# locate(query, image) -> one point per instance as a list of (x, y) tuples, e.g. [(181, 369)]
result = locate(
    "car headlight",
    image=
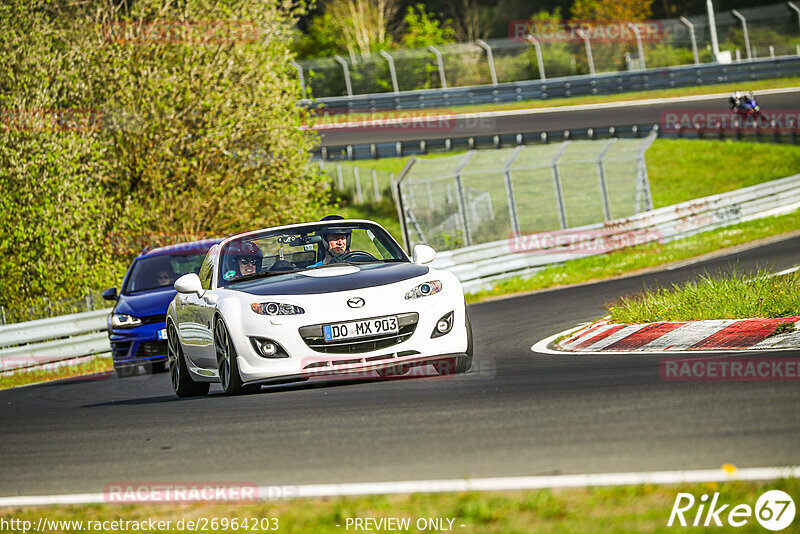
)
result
[(276, 308), (425, 289), (122, 320)]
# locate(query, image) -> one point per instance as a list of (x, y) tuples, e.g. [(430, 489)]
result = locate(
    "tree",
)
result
[(421, 29), (608, 10), (362, 24), (197, 132)]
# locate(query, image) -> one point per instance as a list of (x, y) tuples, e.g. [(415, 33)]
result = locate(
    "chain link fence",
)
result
[(360, 184), (764, 31), (489, 195)]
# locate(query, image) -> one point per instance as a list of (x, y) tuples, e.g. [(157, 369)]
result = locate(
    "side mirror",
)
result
[(189, 283), (422, 254), (110, 294)]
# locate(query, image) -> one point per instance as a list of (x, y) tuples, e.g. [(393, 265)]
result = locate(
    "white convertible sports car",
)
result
[(332, 297)]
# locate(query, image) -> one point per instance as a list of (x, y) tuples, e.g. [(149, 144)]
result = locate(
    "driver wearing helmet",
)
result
[(336, 242), (245, 259)]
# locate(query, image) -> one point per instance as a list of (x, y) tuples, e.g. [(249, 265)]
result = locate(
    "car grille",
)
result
[(149, 349), (121, 349), (315, 339), (152, 319)]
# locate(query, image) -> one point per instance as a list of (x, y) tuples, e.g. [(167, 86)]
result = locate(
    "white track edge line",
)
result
[(459, 485), (532, 111)]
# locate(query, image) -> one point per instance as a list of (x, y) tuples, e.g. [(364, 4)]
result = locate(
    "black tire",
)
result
[(229, 377), (155, 367), (125, 372), (459, 364), (182, 382)]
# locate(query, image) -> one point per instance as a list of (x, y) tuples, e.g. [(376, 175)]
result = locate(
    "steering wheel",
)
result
[(366, 256)]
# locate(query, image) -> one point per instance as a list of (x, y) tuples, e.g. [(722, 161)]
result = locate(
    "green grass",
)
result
[(734, 295), (101, 365), (755, 85), (631, 260), (641, 508), (679, 169), (683, 169)]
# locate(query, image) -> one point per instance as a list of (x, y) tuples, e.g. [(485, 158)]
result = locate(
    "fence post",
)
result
[(358, 185), (562, 211), (483, 44), (512, 200), (378, 195), (693, 38), (643, 179), (586, 42), (346, 70), (796, 10), (441, 64), (744, 30), (300, 75), (538, 46), (639, 46), (462, 203), (3, 314), (339, 176), (401, 212), (393, 73), (602, 174)]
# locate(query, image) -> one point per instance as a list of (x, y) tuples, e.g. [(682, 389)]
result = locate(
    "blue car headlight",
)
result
[(424, 289), (276, 308), (122, 320)]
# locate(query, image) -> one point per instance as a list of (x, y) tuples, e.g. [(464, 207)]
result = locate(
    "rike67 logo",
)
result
[(774, 511)]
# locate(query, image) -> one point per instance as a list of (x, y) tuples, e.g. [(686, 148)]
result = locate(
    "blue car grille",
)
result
[(150, 349), (121, 349)]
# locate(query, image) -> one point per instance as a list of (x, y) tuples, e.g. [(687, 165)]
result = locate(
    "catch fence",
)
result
[(745, 34), (483, 196)]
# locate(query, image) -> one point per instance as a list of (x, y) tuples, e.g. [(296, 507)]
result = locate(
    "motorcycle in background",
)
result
[(745, 105)]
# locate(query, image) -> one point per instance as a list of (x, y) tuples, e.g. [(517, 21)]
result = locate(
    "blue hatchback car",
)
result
[(136, 326)]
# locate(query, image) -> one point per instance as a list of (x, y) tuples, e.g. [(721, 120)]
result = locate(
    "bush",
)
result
[(191, 137)]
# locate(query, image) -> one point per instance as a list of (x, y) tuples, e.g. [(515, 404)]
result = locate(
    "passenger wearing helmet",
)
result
[(245, 259)]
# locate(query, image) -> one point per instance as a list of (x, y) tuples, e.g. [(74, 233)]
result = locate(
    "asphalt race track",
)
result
[(517, 413), (617, 114)]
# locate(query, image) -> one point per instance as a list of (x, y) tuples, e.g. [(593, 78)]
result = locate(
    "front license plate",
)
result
[(162, 334), (356, 329)]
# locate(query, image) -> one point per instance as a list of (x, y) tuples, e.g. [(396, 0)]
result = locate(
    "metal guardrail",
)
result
[(457, 144), (479, 266), (44, 341), (599, 84)]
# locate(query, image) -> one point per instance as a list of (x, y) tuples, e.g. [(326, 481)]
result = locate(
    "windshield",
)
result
[(295, 249), (156, 272)]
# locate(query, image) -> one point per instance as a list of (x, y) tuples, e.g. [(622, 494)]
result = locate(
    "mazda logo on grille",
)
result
[(355, 302)]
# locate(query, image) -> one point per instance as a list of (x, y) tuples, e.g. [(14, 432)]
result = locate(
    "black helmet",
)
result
[(243, 249)]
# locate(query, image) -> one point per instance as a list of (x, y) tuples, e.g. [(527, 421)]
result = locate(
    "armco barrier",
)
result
[(600, 84), (456, 144), (478, 267), (43, 341)]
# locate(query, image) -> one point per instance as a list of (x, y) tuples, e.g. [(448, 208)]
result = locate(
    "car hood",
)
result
[(332, 279), (147, 303)]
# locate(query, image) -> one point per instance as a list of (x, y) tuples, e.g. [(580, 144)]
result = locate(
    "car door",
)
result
[(194, 321)]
